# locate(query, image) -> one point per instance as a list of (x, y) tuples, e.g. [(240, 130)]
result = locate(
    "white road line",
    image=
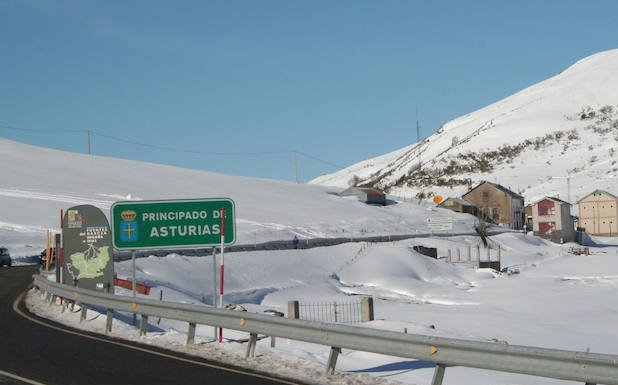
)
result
[(19, 378), (21, 296)]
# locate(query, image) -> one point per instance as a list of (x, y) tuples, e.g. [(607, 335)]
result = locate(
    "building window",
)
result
[(495, 213)]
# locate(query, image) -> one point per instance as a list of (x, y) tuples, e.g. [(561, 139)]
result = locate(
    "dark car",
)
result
[(5, 257)]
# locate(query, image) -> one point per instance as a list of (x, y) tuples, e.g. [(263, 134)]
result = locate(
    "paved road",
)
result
[(50, 356)]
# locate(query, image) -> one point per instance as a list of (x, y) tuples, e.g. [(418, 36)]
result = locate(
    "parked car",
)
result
[(5, 257)]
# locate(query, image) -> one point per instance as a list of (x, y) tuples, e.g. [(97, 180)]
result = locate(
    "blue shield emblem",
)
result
[(128, 231)]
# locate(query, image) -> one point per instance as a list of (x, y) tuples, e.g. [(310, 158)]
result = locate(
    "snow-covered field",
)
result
[(551, 298)]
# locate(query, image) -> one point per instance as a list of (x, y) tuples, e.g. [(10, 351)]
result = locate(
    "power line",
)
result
[(175, 149), (36, 129), (320, 160), (168, 148)]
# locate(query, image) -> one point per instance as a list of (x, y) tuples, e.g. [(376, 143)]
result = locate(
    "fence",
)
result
[(333, 312), (585, 367), (482, 262)]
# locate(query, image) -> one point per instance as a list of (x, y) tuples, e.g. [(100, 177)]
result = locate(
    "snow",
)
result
[(546, 296)]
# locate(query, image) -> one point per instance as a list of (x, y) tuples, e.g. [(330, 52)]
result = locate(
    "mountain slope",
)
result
[(566, 126)]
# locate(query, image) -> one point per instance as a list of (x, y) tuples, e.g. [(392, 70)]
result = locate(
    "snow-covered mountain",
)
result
[(556, 138)]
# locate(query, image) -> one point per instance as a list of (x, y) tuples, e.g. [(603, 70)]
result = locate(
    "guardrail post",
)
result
[(84, 311), (438, 375), (332, 360), (108, 322), (251, 345), (143, 325), (293, 309), (191, 334), (367, 309)]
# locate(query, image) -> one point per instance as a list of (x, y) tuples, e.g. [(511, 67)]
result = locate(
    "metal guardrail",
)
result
[(589, 368), (289, 244)]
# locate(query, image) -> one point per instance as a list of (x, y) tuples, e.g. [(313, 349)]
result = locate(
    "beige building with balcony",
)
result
[(598, 213)]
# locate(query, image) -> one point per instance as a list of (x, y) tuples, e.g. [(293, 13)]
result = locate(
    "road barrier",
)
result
[(120, 255), (589, 368)]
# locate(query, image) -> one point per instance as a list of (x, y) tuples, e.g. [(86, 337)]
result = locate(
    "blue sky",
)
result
[(235, 86)]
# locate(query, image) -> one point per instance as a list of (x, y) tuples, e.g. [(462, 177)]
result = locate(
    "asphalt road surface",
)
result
[(33, 353)]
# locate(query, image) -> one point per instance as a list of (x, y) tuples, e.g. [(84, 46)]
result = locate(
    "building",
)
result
[(528, 217), (598, 213), (365, 194), (551, 219), (458, 205), (497, 204)]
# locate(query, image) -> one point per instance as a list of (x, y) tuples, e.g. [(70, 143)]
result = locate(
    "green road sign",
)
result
[(187, 223)]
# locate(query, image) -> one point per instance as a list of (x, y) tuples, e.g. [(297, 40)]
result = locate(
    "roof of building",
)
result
[(597, 191), (358, 190), (461, 201), (498, 186), (554, 199)]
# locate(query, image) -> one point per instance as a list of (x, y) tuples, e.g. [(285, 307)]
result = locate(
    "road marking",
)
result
[(256, 375), (19, 378)]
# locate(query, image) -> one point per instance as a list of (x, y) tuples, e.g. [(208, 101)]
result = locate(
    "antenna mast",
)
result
[(418, 127), (418, 138)]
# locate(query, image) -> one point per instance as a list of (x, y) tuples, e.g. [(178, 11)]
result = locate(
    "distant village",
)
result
[(548, 218)]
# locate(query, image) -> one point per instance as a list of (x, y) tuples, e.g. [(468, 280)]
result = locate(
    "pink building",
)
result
[(551, 218)]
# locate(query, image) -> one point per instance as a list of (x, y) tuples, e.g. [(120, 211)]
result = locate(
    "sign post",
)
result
[(222, 267), (214, 289)]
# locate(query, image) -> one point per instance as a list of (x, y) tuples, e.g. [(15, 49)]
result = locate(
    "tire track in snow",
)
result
[(41, 195), (21, 228)]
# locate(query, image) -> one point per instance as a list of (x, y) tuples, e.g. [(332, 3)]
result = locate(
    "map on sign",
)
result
[(91, 263)]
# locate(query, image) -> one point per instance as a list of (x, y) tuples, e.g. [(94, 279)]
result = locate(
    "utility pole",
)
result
[(568, 180), (88, 142), (295, 165)]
